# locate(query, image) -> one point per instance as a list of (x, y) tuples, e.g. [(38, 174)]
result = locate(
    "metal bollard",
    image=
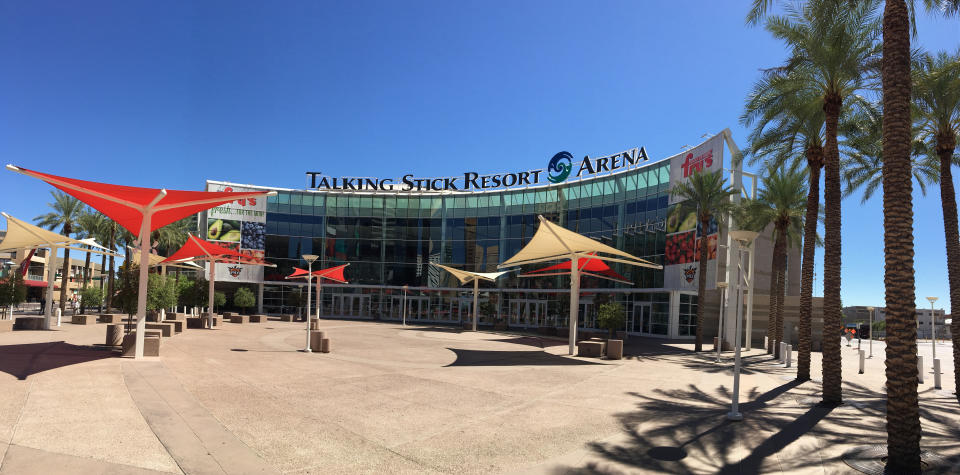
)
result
[(862, 361), (936, 373), (59, 315), (920, 368), (789, 355)]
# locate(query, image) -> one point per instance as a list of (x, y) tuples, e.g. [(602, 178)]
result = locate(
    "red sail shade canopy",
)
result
[(592, 266), (330, 273), (140, 211)]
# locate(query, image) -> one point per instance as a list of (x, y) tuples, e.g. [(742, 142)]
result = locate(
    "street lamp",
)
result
[(723, 301), (870, 310), (309, 258), (933, 323), (405, 305), (744, 241)]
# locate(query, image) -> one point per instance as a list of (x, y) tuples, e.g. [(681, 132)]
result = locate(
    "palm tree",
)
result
[(781, 202), (706, 194), (90, 225), (113, 227), (66, 211), (834, 49), (936, 99), (788, 124)]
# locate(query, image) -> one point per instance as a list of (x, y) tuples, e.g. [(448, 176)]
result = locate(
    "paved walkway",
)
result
[(390, 399)]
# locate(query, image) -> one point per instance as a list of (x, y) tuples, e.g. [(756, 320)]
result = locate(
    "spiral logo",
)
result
[(559, 167)]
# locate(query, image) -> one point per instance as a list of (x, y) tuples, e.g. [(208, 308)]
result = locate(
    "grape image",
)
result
[(253, 235)]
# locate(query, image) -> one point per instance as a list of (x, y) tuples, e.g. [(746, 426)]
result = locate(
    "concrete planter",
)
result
[(165, 329), (83, 319), (151, 344), (177, 325), (111, 317), (590, 348), (258, 318), (614, 349), (316, 341), (6, 326), (239, 319), (114, 334)]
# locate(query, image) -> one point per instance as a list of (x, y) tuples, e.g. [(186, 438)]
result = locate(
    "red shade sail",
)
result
[(331, 273), (592, 266), (127, 204), (196, 247)]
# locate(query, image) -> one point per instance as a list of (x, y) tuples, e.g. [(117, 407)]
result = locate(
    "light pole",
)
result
[(723, 302), (744, 240), (404, 305), (870, 310), (309, 258), (933, 324)]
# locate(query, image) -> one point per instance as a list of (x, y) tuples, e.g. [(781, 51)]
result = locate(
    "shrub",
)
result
[(244, 299), (92, 297), (612, 317)]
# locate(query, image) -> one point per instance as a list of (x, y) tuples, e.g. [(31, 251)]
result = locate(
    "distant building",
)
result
[(925, 318)]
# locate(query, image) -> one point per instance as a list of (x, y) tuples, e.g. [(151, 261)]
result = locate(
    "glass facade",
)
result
[(390, 238)]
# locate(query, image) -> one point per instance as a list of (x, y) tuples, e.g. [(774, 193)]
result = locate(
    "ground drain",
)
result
[(871, 459)]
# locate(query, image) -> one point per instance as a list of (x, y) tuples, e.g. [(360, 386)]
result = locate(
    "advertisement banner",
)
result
[(685, 234), (239, 225)]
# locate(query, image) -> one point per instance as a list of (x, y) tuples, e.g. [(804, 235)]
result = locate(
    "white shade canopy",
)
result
[(553, 242), (156, 260), (23, 235), (466, 276)]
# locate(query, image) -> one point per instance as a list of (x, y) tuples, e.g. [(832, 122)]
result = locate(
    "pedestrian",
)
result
[(43, 304)]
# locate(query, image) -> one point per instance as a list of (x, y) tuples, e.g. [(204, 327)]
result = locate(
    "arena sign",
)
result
[(558, 170)]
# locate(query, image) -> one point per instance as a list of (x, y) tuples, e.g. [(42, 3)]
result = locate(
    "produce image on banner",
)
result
[(252, 236), (225, 230)]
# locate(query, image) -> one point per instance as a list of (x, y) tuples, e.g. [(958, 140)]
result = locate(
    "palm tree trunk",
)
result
[(946, 143), (780, 251), (86, 279), (64, 279), (832, 308), (771, 313), (903, 412), (814, 162), (702, 280)]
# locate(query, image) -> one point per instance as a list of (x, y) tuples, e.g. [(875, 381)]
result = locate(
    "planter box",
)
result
[(239, 319), (28, 323), (258, 318), (314, 323), (614, 349), (6, 326), (228, 314), (316, 340), (166, 329), (111, 317), (325, 345), (83, 319), (286, 318), (176, 316), (590, 348), (114, 334), (196, 322), (177, 325), (151, 344)]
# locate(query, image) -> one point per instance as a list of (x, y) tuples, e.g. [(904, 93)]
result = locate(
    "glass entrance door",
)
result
[(639, 320)]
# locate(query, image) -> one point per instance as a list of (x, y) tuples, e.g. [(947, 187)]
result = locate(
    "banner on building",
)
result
[(239, 225), (685, 234)]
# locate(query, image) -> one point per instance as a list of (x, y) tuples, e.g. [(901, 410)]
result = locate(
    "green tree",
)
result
[(936, 99), (706, 194), (66, 211), (244, 299), (92, 297), (612, 317), (92, 225), (219, 300), (788, 127), (12, 290), (488, 309), (161, 292), (781, 203)]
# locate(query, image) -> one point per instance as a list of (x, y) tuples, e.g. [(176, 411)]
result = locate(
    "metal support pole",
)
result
[(870, 341), (574, 301), (723, 303), (749, 294), (309, 276), (142, 295), (862, 360), (920, 368), (51, 277), (936, 373), (404, 305), (476, 290), (734, 413), (933, 329), (789, 356)]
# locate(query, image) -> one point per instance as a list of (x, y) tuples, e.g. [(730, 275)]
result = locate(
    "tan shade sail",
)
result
[(23, 235), (553, 242), (465, 276), (156, 260)]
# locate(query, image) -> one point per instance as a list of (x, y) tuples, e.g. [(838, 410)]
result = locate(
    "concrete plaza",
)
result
[(393, 399)]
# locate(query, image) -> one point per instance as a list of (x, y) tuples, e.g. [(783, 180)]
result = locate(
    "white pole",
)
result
[(574, 301), (933, 325), (723, 302), (404, 305), (142, 295), (51, 277), (749, 279), (211, 293), (318, 297), (734, 413), (309, 276), (870, 342), (476, 290), (936, 374)]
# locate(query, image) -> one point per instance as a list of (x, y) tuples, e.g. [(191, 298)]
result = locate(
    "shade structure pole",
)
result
[(574, 301), (723, 303), (210, 292), (51, 277), (142, 291), (749, 315), (734, 413), (319, 280), (476, 290), (309, 276)]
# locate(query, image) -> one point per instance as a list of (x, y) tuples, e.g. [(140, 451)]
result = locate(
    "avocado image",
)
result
[(690, 222), (215, 229), (232, 235)]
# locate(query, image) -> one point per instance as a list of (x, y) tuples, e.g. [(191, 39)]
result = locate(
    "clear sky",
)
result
[(172, 93)]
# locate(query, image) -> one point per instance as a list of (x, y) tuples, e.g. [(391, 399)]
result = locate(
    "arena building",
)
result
[(389, 231)]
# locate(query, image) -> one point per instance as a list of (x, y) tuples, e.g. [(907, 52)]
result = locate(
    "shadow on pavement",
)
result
[(513, 358), (784, 429), (25, 360)]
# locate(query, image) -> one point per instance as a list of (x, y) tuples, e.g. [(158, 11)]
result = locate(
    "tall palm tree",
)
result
[(834, 48), (936, 99), (781, 202), (788, 124), (90, 225), (66, 211), (706, 194)]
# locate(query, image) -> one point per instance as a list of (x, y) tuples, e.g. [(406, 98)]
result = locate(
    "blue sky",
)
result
[(172, 93)]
